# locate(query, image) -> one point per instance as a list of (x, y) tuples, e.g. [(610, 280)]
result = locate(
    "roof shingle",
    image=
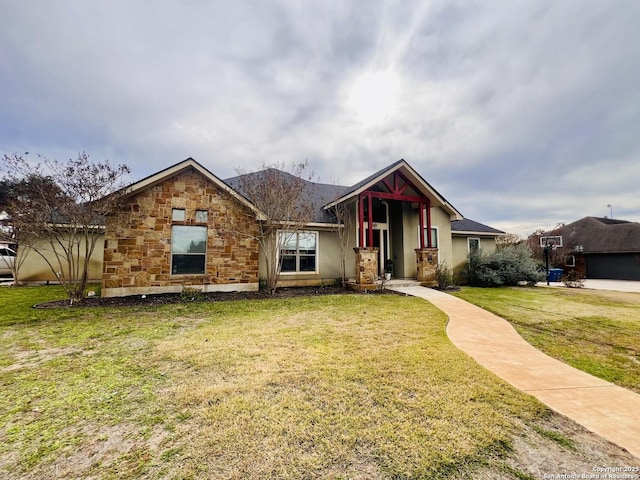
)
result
[(601, 235)]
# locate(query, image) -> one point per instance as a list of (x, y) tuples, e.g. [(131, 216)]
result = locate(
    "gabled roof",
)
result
[(437, 200), (600, 235), (466, 226), (180, 167)]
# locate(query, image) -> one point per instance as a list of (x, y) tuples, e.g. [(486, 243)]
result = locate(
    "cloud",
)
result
[(520, 113)]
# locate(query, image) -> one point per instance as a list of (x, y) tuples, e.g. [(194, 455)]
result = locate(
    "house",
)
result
[(603, 248), (172, 232)]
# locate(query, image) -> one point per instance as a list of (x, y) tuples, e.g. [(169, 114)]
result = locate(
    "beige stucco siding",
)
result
[(36, 269), (410, 238), (442, 220), (328, 263), (461, 249), (409, 241)]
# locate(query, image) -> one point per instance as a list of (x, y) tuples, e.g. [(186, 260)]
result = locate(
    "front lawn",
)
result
[(595, 331), (336, 386)]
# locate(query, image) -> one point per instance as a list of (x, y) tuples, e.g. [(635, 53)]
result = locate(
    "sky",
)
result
[(522, 114)]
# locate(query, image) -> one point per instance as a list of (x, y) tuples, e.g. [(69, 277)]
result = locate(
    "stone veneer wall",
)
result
[(137, 247), (366, 265), (427, 263)]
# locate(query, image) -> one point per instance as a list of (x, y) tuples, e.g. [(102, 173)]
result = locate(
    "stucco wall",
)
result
[(442, 220), (137, 249), (36, 269), (328, 262), (410, 239), (461, 249)]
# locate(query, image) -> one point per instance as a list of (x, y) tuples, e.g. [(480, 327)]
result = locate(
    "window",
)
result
[(178, 215), (570, 261), (434, 237), (298, 251), (379, 211), (7, 252), (473, 244), (202, 216), (188, 249)]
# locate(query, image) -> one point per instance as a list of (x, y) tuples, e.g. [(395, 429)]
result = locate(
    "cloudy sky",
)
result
[(523, 114)]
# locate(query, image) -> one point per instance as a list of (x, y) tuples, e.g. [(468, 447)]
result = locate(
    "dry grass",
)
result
[(326, 387), (335, 388)]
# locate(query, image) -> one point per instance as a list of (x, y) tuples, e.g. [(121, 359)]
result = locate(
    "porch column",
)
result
[(370, 220), (428, 210), (421, 220), (361, 221), (366, 266), (427, 262)]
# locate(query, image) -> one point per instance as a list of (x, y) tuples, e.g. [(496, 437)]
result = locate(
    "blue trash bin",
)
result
[(555, 274)]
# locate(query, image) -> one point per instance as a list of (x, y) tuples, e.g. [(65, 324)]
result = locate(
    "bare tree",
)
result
[(509, 239), (284, 197), (18, 202), (342, 214), (62, 211)]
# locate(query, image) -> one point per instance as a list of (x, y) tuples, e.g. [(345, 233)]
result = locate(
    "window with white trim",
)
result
[(570, 261), (473, 245), (434, 237), (299, 252)]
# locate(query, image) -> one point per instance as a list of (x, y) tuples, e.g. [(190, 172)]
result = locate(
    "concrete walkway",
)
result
[(608, 410)]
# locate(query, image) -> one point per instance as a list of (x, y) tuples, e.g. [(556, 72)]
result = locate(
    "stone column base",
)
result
[(427, 262), (366, 265)]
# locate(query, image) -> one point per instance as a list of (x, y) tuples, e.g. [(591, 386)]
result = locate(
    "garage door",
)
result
[(621, 266)]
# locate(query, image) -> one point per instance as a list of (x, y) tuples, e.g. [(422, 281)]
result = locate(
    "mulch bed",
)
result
[(173, 298)]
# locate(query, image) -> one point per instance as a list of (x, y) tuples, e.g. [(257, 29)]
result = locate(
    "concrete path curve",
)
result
[(608, 410)]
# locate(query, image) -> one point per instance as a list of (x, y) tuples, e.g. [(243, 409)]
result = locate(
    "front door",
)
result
[(380, 241), (380, 225)]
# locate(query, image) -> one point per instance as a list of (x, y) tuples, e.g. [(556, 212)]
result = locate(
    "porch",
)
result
[(394, 233)]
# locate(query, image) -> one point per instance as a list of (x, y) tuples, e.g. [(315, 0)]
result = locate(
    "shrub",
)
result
[(474, 260), (444, 276), (574, 279), (506, 266), (191, 294)]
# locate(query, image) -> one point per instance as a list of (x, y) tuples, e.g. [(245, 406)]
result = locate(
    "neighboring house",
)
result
[(35, 269), (598, 248), (173, 233)]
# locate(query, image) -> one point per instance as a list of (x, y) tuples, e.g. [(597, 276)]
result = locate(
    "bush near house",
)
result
[(507, 266)]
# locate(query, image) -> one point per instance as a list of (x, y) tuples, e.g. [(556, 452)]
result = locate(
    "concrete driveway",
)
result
[(596, 284)]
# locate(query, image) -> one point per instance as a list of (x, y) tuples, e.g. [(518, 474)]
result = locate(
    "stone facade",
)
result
[(137, 247), (427, 263), (366, 265)]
